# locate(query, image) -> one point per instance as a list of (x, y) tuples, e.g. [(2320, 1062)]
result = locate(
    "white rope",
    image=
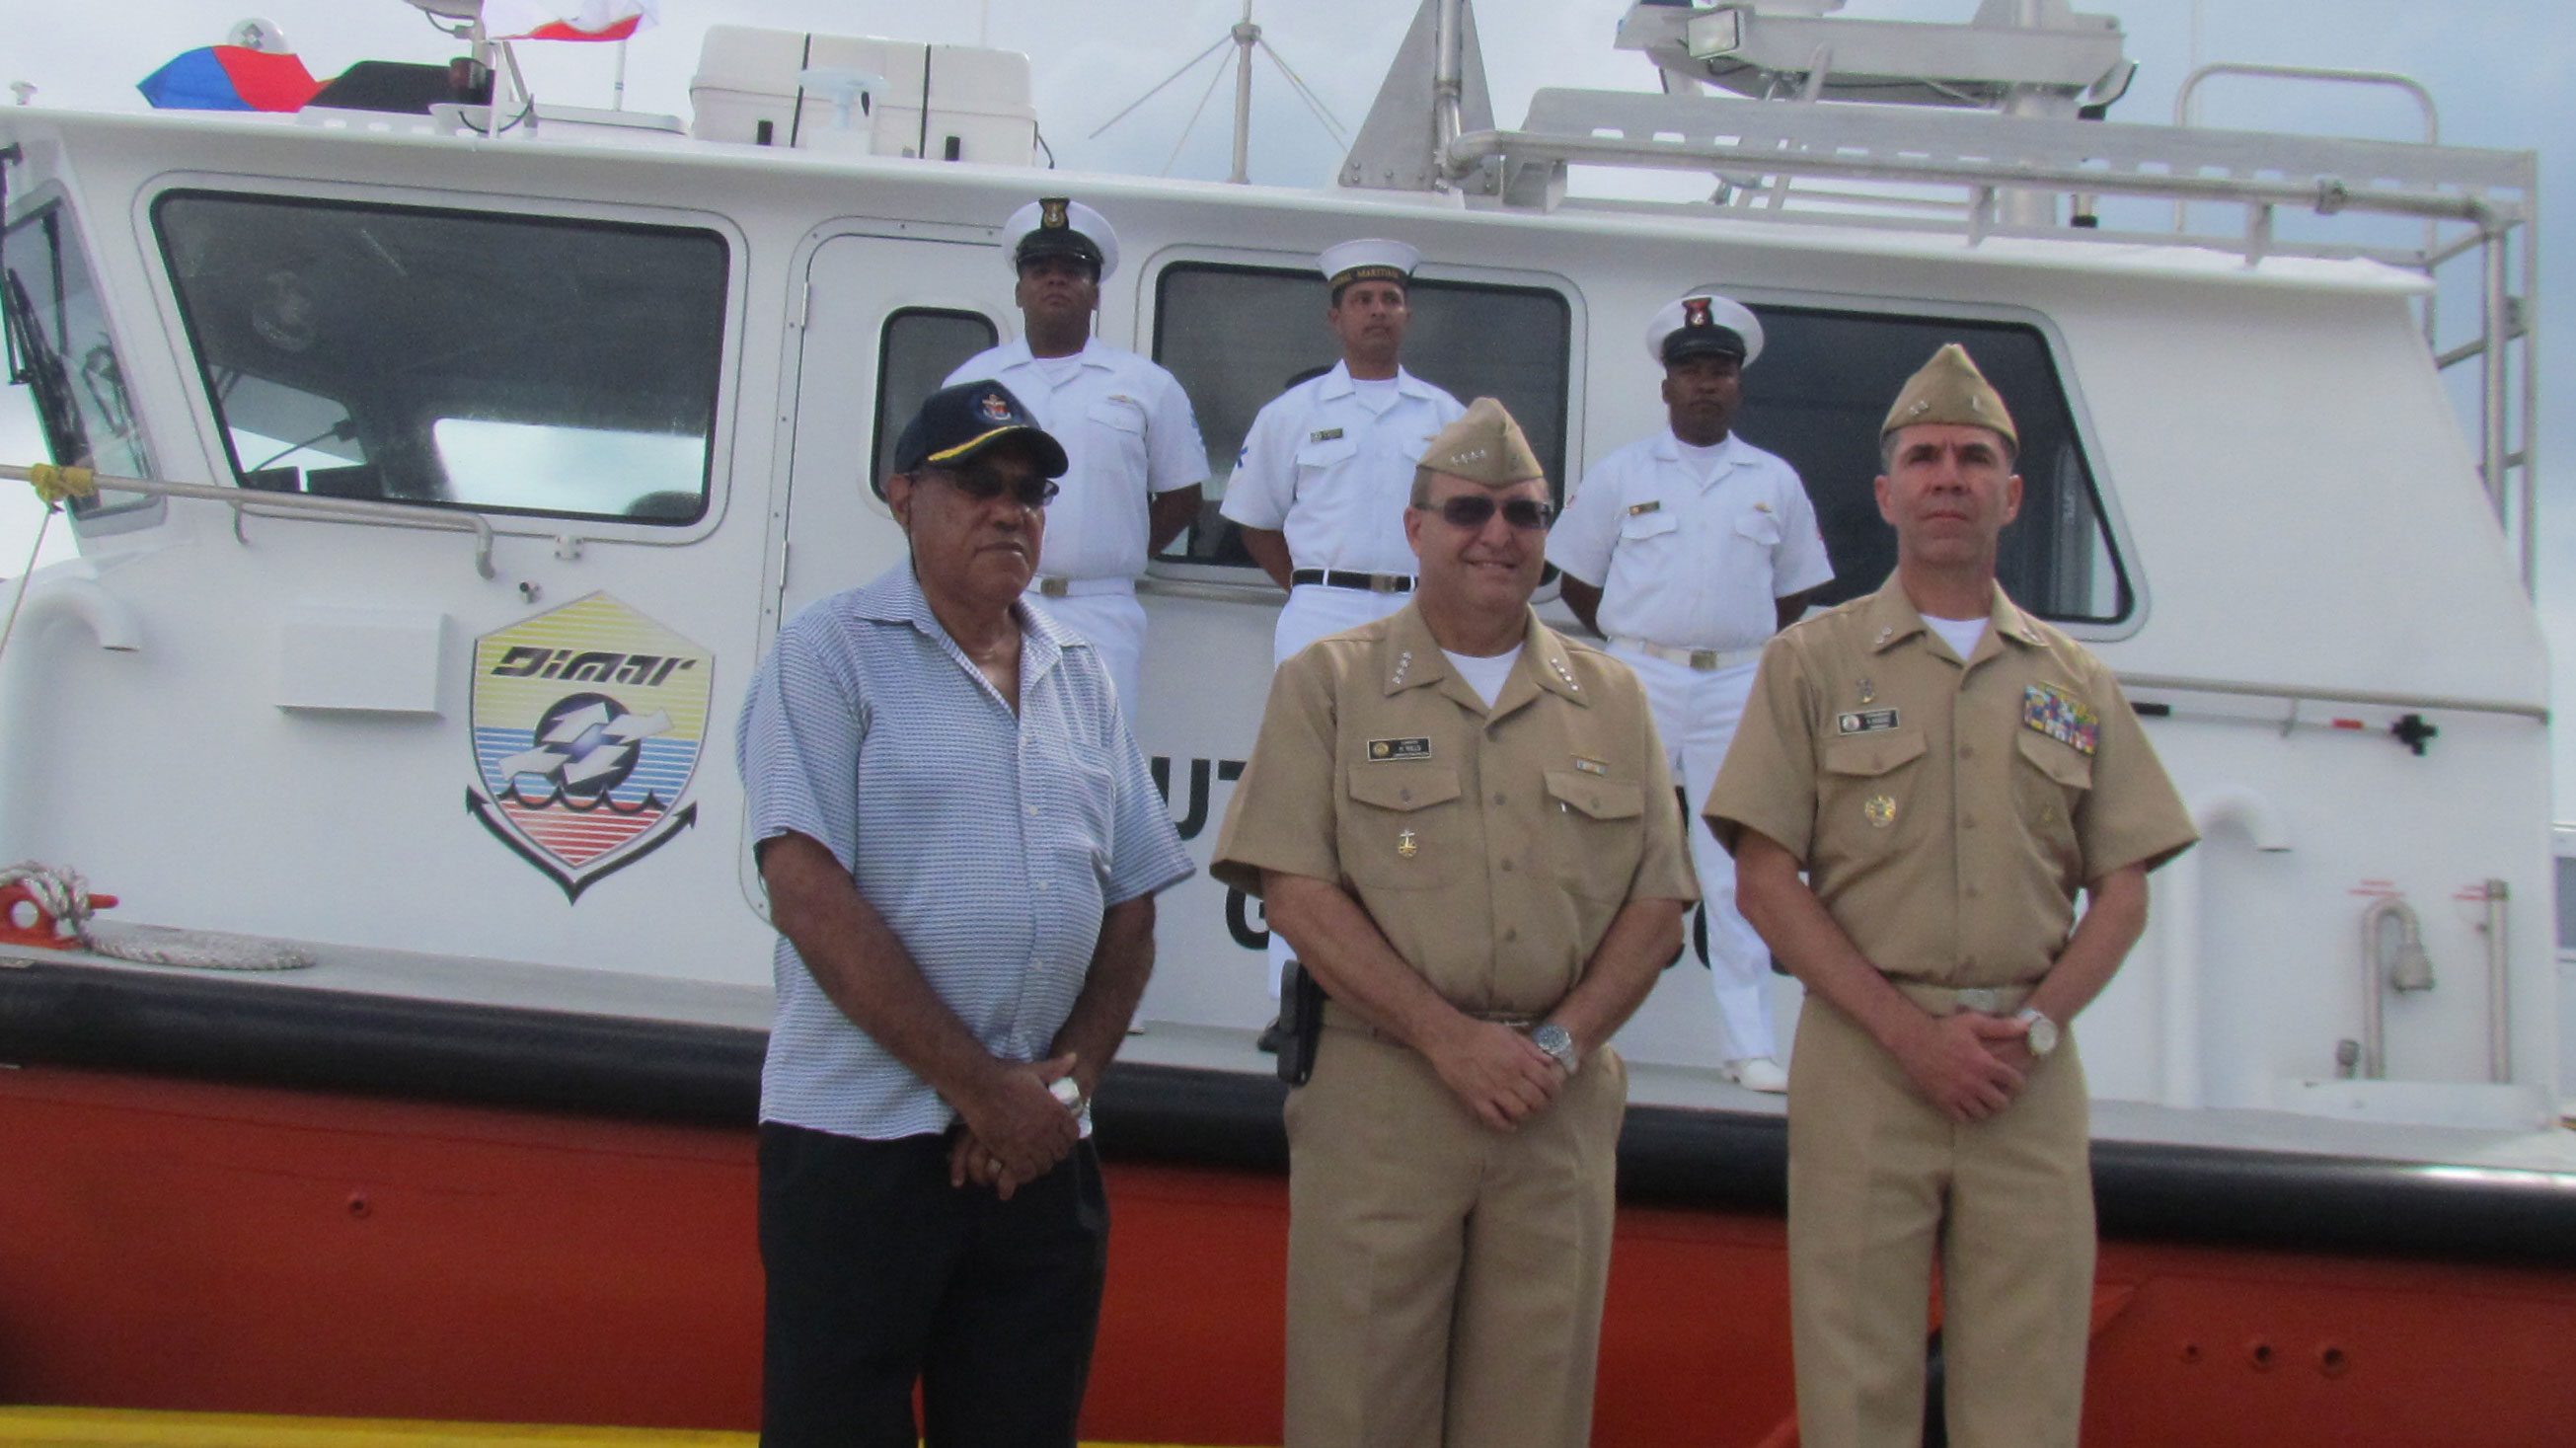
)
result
[(64, 895), (18, 595)]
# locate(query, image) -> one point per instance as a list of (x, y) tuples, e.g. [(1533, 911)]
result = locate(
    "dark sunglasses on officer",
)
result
[(984, 483), (1471, 510)]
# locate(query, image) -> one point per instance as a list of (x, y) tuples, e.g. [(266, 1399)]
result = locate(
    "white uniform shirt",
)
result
[(1128, 433), (1334, 474), (1685, 558)]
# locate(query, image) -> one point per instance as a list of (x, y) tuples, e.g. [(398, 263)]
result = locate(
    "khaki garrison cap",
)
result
[(1485, 447), (1950, 389)]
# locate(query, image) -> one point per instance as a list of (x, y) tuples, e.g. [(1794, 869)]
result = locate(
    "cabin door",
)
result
[(886, 318)]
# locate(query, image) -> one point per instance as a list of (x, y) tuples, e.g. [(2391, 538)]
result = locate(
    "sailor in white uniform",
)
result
[(1322, 483), (1688, 550), (1126, 426)]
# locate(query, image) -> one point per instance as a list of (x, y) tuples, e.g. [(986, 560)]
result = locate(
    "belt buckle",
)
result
[(1054, 587), (1704, 660), (1986, 999), (1381, 583)]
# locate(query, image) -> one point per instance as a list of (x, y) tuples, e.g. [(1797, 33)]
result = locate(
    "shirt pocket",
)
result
[(1598, 831), (1319, 456), (1864, 798), (1655, 523), (1760, 526), (1401, 829), (1118, 426), (2051, 781)]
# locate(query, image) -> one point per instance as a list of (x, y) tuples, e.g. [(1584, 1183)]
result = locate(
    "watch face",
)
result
[(2043, 1034), (1556, 1041)]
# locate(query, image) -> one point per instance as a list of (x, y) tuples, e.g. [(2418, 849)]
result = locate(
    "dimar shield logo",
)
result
[(588, 720)]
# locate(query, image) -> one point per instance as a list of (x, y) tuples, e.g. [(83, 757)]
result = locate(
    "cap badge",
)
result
[(1405, 846), (1051, 213), (1695, 312), (995, 406), (1881, 811)]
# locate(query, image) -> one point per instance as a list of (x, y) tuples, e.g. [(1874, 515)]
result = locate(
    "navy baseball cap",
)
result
[(956, 423)]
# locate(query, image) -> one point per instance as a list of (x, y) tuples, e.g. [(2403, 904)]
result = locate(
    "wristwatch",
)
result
[(2042, 1035), (1558, 1042)]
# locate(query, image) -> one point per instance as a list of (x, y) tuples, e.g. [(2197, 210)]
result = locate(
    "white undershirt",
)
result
[(1377, 394), (1702, 462), (1484, 675), (1961, 634), (1059, 370)]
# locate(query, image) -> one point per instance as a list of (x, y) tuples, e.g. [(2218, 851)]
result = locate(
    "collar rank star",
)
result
[(2062, 717), (1381, 751)]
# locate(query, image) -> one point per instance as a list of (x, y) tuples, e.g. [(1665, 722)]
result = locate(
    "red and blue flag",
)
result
[(230, 78)]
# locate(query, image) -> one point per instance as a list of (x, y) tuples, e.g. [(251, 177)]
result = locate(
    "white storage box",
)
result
[(746, 91)]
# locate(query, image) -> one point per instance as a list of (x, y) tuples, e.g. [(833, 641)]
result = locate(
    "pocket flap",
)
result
[(1602, 799), (1403, 786), (1325, 454), (2061, 762), (1117, 412), (1647, 525), (1759, 526), (1866, 754)]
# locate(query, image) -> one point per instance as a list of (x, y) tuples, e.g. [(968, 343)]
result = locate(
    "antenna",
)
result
[(1245, 37)]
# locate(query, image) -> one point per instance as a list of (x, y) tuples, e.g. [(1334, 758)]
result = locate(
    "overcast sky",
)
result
[(2498, 70)]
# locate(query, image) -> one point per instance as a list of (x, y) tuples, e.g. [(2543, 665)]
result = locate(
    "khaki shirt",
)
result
[(1491, 848), (1947, 814)]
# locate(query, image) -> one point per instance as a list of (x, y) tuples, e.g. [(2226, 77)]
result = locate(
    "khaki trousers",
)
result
[(1444, 1279), (1880, 1179)]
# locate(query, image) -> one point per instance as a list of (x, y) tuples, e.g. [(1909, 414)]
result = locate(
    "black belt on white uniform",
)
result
[(1364, 582)]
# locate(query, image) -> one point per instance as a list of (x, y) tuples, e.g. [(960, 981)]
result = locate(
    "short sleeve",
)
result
[(1178, 457), (1146, 856), (1281, 816), (1581, 542), (797, 746), (1664, 871), (1264, 481), (2131, 815), (1768, 783), (1801, 562)]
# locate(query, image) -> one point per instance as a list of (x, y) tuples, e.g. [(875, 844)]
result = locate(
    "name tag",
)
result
[(1867, 721), (1327, 435), (2062, 717), (1382, 750), (1639, 510)]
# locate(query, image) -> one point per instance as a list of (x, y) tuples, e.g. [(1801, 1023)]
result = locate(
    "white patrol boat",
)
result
[(441, 461)]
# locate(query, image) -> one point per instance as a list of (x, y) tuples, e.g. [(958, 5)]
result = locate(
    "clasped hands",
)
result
[(1013, 1127), (1498, 1072), (1969, 1064)]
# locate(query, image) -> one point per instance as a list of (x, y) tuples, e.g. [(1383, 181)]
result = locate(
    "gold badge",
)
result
[(1881, 810), (1405, 846), (1051, 213), (1868, 690)]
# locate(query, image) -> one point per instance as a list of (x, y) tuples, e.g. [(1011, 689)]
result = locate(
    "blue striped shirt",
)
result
[(990, 842)]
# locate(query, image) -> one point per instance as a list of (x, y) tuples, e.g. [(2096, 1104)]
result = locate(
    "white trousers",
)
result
[(1312, 611), (1115, 625), (1696, 712)]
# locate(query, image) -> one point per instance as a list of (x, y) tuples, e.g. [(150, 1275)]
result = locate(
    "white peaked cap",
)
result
[(1069, 217), (1369, 259), (1709, 315)]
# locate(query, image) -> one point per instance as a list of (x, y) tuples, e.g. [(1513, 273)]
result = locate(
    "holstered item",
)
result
[(1301, 1023)]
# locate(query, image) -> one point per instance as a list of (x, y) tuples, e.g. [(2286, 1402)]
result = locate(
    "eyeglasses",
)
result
[(986, 484), (1471, 510)]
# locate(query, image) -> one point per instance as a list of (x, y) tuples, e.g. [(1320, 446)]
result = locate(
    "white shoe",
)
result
[(1757, 1073)]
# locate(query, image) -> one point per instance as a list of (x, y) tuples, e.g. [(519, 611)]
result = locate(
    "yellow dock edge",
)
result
[(25, 1427)]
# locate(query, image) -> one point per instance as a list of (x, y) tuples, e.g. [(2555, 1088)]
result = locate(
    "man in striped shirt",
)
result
[(961, 846)]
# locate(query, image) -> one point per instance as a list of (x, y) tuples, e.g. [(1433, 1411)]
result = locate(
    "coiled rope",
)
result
[(64, 895)]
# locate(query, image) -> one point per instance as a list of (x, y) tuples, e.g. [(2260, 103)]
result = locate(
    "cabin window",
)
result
[(1818, 394), (59, 347), (509, 364), (1237, 336), (919, 348)]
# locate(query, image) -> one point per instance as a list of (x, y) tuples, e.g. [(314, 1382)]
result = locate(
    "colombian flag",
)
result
[(230, 78), (565, 19)]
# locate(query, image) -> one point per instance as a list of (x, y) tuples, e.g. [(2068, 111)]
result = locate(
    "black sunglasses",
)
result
[(985, 484), (1470, 510)]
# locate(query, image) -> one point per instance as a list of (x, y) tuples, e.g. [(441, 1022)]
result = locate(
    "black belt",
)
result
[(1364, 582)]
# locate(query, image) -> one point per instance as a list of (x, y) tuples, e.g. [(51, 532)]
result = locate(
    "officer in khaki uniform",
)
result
[(1948, 771), (1462, 822)]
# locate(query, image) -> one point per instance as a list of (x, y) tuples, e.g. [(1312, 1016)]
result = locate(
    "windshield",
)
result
[(58, 348)]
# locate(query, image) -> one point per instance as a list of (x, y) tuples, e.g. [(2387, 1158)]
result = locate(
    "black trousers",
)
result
[(880, 1274)]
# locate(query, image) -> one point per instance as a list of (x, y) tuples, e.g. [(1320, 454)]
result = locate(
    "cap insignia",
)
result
[(1695, 312), (995, 406), (1051, 213)]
